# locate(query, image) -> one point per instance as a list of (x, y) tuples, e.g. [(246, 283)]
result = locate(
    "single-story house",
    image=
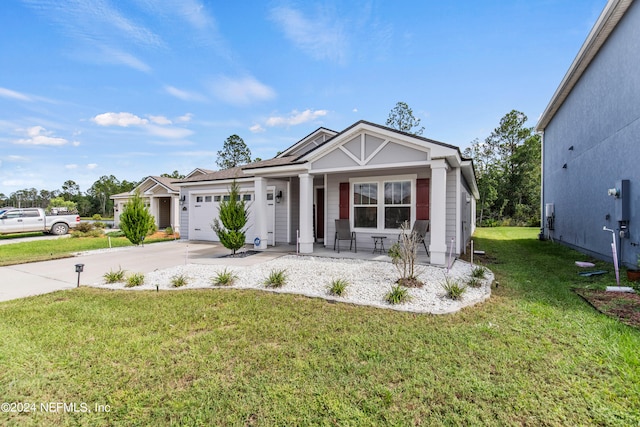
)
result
[(372, 175), (591, 137), (160, 195)]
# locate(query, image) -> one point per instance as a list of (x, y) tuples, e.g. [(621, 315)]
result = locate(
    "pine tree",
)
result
[(135, 220), (234, 216)]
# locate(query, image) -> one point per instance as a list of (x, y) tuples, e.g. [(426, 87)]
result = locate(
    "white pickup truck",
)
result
[(34, 219)]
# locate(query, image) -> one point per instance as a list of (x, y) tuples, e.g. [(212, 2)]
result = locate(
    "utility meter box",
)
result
[(622, 200)]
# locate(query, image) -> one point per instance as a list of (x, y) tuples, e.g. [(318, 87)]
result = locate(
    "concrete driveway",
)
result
[(23, 280)]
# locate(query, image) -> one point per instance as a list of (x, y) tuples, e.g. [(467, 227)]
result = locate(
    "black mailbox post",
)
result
[(79, 269)]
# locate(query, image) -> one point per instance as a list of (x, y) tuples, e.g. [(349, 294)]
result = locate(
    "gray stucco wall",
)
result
[(600, 119)]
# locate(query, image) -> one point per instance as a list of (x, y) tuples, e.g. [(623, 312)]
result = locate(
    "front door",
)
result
[(319, 214), (164, 212), (271, 218)]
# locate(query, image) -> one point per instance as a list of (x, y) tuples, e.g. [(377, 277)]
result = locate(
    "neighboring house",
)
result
[(375, 176), (160, 195), (591, 141)]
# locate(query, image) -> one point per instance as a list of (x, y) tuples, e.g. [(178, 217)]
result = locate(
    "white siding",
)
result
[(452, 198), (281, 212)]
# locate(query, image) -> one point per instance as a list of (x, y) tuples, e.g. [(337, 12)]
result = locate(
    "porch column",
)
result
[(306, 213), (260, 213), (438, 214)]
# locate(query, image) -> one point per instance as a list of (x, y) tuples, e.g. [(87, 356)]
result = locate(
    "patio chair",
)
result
[(420, 228), (343, 232)]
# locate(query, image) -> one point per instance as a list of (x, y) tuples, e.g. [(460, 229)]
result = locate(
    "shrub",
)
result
[(97, 217), (84, 227), (453, 289), (233, 217), (403, 256), (136, 221), (168, 231), (276, 279), (478, 272), (90, 233), (474, 282), (224, 278), (398, 295), (153, 229), (118, 233), (338, 287), (179, 280), (136, 279), (114, 276), (99, 224)]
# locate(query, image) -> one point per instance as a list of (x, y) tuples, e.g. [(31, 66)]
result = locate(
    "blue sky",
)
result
[(143, 87)]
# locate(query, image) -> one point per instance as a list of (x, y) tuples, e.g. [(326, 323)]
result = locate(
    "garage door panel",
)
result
[(203, 211)]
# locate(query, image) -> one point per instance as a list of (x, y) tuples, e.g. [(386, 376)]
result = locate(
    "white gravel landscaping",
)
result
[(369, 281)]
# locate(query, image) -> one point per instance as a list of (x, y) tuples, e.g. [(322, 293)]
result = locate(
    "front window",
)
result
[(365, 205), (397, 203), (383, 203)]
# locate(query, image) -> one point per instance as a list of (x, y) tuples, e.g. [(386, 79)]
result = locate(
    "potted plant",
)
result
[(634, 275)]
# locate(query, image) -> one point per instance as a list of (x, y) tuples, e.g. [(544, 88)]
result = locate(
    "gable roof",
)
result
[(167, 183), (604, 26), (385, 128), (255, 168), (320, 133)]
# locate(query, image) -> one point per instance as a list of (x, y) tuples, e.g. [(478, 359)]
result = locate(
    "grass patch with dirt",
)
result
[(533, 354)]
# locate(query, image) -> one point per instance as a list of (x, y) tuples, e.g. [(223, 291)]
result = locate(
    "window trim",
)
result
[(380, 181)]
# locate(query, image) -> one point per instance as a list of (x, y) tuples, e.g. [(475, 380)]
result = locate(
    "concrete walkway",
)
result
[(23, 280)]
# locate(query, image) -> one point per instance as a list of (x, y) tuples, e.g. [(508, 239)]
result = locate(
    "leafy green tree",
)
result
[(135, 220), (401, 118), (60, 202), (508, 172), (101, 190), (70, 189), (234, 153), (175, 174), (233, 215)]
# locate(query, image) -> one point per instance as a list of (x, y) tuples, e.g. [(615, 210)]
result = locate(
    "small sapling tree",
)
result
[(135, 220), (404, 254), (233, 217)]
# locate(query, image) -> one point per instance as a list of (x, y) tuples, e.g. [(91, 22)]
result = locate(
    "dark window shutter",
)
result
[(422, 198), (344, 200)]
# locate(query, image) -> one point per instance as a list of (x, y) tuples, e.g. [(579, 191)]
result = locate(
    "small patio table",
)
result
[(378, 240)]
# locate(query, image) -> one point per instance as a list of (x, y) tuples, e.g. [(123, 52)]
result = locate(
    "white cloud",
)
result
[(171, 133), (111, 55), (119, 119), (159, 120), (242, 91), (37, 135), (12, 94), (183, 94), (185, 118), (92, 166), (257, 128), (321, 37), (355, 110), (71, 166), (295, 118), (14, 158)]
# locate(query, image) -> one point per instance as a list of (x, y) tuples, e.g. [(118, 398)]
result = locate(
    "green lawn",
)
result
[(43, 250), (533, 354)]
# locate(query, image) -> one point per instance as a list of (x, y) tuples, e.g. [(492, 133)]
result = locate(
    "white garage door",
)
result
[(203, 211), (204, 208)]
